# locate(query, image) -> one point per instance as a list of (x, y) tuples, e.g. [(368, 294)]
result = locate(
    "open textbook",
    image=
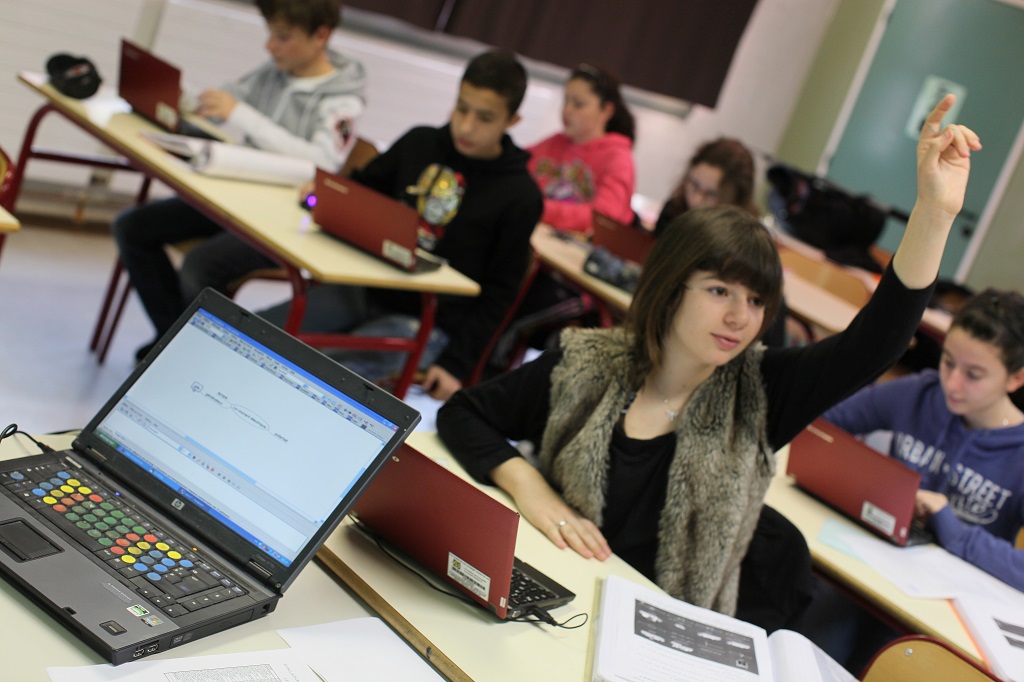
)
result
[(226, 160), (998, 629), (647, 636)]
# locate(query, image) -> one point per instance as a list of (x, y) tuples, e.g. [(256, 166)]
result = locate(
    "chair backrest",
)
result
[(362, 153), (922, 659), (524, 287), (830, 276)]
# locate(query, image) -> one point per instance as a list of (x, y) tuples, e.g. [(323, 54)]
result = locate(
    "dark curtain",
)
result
[(422, 13), (681, 48)]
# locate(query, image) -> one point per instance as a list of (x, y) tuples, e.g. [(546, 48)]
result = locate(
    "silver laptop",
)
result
[(195, 496)]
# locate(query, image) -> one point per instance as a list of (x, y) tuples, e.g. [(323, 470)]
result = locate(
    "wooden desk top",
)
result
[(8, 223), (268, 214), (805, 300), (466, 642), (567, 257), (34, 641), (934, 617)]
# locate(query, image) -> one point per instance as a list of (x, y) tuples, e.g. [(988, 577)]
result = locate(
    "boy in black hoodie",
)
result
[(471, 186)]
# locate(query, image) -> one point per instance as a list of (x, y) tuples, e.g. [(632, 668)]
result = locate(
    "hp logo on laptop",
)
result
[(177, 504)]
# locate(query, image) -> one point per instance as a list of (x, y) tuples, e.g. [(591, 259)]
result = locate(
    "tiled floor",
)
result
[(51, 285)]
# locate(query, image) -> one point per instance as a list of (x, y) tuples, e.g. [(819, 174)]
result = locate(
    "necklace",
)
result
[(669, 412)]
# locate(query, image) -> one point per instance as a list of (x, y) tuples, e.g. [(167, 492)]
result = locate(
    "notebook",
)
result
[(194, 497), (152, 87), (869, 487), (371, 221), (458, 532), (625, 241)]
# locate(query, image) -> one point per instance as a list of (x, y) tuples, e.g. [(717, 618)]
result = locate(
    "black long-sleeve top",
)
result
[(488, 239)]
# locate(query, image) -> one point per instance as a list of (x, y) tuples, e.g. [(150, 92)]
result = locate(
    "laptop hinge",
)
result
[(259, 571)]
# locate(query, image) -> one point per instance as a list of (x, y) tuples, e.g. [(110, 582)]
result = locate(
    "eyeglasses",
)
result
[(691, 185)]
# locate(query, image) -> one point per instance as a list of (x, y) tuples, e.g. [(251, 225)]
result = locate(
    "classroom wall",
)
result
[(818, 106), (215, 40)]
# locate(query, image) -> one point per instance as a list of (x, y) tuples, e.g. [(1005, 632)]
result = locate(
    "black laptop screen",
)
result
[(245, 435)]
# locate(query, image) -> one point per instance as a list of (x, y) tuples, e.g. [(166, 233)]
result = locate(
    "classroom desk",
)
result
[(33, 640), (808, 302), (566, 257), (804, 299), (933, 617), (267, 216), (814, 305), (466, 642)]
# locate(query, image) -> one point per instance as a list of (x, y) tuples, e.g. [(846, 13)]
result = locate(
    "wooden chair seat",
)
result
[(922, 659)]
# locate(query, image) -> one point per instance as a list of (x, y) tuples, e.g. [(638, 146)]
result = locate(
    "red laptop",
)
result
[(458, 532), (869, 487), (371, 221), (152, 87), (625, 241)]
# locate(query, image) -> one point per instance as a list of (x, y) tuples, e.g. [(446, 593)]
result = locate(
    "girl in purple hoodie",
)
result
[(961, 431)]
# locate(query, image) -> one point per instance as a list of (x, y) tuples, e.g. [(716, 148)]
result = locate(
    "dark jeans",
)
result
[(143, 232)]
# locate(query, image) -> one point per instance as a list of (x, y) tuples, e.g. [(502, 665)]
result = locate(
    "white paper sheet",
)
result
[(277, 665), (253, 165), (998, 629), (924, 571), (363, 649)]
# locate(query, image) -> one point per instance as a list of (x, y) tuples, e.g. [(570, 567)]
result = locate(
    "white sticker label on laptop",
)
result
[(167, 115), (475, 581), (397, 253), (876, 517)]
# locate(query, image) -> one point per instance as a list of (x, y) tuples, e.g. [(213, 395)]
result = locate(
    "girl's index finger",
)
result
[(933, 122)]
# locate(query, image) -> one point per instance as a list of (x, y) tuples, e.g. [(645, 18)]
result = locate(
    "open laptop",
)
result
[(152, 87), (625, 241), (458, 532), (371, 221), (871, 488), (195, 496)]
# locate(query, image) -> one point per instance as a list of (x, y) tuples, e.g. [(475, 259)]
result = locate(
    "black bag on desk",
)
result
[(612, 269), (826, 216)]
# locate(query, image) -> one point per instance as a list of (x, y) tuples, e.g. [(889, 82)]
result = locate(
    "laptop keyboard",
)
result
[(162, 569), (524, 590)]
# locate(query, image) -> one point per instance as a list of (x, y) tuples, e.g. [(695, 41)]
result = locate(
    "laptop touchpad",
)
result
[(23, 542)]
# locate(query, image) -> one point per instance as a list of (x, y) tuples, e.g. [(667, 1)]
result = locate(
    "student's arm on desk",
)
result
[(476, 425), (326, 148), (976, 545)]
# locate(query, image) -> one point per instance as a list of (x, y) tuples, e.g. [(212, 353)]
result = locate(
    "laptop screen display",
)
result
[(245, 435)]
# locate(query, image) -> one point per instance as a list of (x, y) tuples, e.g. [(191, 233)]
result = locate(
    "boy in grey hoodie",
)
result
[(304, 102)]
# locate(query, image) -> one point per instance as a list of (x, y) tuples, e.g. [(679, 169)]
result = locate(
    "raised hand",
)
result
[(944, 160), (943, 164)]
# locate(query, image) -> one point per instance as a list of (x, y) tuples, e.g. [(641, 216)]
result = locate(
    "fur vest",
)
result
[(718, 476)]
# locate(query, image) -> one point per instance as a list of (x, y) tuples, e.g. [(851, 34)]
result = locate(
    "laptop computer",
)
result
[(194, 497), (152, 87), (870, 488), (371, 221), (625, 241), (458, 532)]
